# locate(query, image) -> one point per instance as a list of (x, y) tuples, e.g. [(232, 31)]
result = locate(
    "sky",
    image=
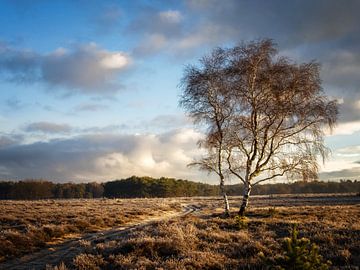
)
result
[(89, 90)]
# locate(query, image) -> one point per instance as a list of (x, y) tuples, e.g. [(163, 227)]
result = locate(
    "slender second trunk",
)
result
[(223, 193), (245, 200)]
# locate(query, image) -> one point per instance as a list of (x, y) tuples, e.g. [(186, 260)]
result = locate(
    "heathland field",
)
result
[(181, 233)]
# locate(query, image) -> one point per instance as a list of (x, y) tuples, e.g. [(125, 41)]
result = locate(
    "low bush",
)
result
[(241, 222), (89, 262), (299, 254)]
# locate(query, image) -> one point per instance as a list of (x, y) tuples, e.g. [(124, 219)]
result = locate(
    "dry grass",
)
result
[(208, 241), (203, 240), (29, 225)]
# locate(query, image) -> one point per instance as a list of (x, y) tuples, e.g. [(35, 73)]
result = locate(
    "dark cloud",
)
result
[(90, 108), (57, 159), (166, 27), (349, 109), (324, 30), (289, 22), (18, 65), (152, 21), (47, 127), (85, 69), (102, 157), (341, 174), (6, 140), (341, 69), (315, 29), (105, 129)]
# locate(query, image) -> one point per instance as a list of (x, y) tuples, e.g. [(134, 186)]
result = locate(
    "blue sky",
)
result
[(89, 89)]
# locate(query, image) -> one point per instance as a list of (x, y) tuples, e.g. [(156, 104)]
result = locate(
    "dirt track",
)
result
[(54, 255)]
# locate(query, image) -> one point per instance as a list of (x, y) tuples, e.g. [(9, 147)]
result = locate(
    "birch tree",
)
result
[(276, 114), (205, 98)]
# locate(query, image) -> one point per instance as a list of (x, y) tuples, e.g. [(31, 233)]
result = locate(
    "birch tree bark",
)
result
[(223, 193)]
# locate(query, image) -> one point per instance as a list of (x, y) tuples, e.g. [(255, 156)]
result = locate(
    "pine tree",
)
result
[(300, 254)]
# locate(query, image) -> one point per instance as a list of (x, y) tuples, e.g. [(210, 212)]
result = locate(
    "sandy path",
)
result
[(54, 255)]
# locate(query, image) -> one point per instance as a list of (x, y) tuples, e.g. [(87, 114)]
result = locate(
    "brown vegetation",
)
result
[(209, 241), (29, 225), (203, 240)]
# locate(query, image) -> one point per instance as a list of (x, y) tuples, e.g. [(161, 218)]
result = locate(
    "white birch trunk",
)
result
[(245, 199), (226, 201)]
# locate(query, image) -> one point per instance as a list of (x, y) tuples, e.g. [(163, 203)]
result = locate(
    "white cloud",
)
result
[(114, 61), (357, 104), (337, 164), (346, 128), (183, 44), (85, 69), (344, 162), (349, 151)]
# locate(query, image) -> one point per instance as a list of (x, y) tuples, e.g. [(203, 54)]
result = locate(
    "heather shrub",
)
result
[(53, 231), (82, 225), (6, 247), (61, 266), (88, 262), (241, 222)]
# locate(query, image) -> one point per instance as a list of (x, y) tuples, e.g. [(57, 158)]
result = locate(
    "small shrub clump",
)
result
[(299, 254), (241, 222), (88, 262)]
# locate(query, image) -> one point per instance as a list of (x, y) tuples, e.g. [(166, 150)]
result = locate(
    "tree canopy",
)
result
[(265, 114)]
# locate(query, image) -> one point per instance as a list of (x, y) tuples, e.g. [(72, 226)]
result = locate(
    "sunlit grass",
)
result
[(29, 225)]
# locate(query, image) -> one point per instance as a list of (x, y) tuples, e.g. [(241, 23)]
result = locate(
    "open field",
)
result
[(27, 226), (201, 240)]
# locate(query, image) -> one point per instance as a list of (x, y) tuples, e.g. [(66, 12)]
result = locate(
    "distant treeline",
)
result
[(135, 187), (344, 186), (140, 187), (40, 189)]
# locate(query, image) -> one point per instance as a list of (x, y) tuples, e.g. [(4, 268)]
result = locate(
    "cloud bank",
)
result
[(47, 127), (102, 157), (85, 69)]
